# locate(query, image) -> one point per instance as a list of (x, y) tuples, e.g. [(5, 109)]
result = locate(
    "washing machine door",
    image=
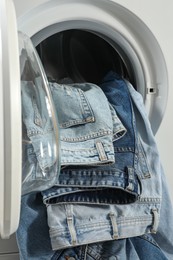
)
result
[(27, 122), (10, 121)]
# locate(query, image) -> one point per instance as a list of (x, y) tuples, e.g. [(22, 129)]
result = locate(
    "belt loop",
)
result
[(155, 221), (101, 151), (70, 223), (131, 178), (114, 225)]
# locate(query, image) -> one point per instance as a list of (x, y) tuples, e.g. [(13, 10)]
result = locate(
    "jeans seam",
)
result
[(150, 240)]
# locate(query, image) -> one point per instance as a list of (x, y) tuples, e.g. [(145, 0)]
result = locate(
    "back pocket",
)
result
[(71, 105)]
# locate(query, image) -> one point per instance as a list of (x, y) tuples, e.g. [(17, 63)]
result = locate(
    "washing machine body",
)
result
[(142, 33), (138, 31)]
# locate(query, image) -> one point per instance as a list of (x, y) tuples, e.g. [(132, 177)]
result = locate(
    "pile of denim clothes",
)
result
[(110, 200)]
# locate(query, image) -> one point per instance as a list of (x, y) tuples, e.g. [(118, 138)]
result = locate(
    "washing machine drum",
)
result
[(80, 55)]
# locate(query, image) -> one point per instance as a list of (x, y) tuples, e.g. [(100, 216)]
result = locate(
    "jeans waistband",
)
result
[(119, 183), (94, 186), (69, 226)]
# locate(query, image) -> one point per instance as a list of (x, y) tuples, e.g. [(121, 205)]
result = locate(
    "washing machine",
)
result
[(81, 39)]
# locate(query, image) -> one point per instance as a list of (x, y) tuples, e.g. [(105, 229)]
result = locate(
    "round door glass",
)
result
[(40, 134)]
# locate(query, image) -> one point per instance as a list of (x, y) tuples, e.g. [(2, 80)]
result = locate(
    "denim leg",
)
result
[(33, 234), (164, 235)]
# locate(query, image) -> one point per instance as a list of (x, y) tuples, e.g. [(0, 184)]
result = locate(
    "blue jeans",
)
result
[(102, 211), (34, 242), (107, 184), (40, 153), (88, 125), (115, 221), (86, 133)]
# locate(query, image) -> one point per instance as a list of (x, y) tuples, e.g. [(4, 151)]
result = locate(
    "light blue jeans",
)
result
[(88, 125), (117, 183), (34, 242), (40, 152), (87, 132)]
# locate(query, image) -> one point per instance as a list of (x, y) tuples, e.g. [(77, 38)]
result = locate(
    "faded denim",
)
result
[(39, 123), (141, 216), (164, 235), (85, 217), (40, 155), (34, 242), (88, 125), (109, 184), (85, 137)]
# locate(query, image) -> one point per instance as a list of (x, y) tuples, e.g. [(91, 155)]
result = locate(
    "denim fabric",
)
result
[(164, 235), (38, 122), (115, 183), (139, 248), (88, 125), (39, 145), (158, 187), (134, 219), (40, 150), (34, 243), (151, 183), (76, 224), (108, 222), (85, 137)]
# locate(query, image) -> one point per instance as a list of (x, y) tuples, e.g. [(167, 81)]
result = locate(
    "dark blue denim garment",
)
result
[(115, 183)]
